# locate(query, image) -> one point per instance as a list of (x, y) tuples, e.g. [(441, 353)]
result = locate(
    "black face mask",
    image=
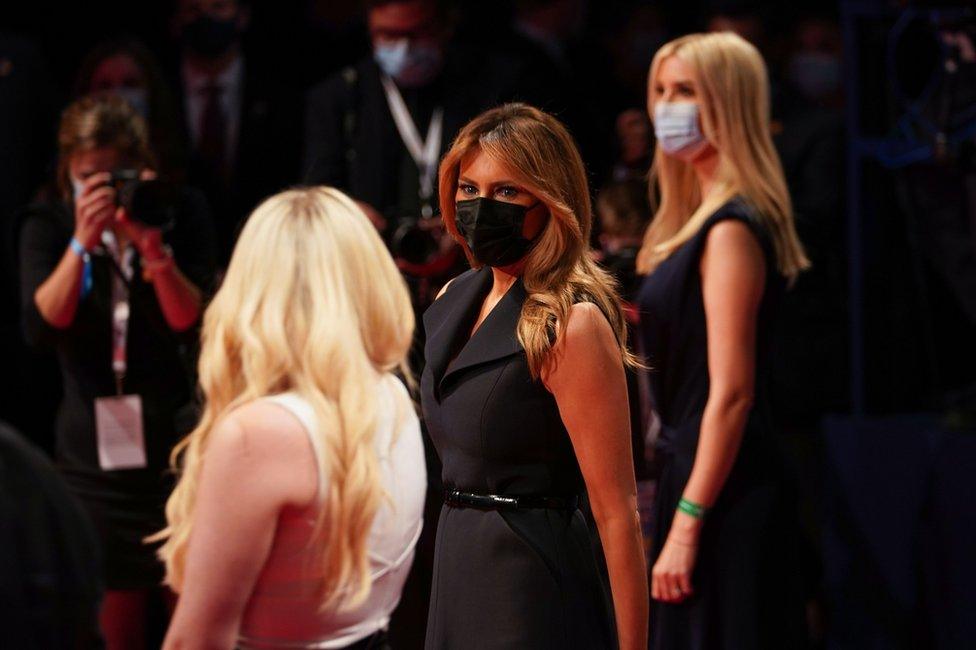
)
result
[(209, 37), (493, 230)]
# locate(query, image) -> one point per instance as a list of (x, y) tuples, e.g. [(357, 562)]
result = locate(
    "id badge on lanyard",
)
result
[(424, 152), (118, 419)]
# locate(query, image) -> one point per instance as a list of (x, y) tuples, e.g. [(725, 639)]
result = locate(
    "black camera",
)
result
[(413, 240), (150, 202)]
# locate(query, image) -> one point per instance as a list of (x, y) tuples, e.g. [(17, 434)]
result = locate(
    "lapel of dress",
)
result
[(494, 339), (444, 319)]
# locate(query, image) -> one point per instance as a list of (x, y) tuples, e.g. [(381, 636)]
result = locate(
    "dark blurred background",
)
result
[(874, 117)]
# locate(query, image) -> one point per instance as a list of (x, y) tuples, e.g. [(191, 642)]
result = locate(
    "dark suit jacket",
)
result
[(352, 143), (351, 140), (267, 156)]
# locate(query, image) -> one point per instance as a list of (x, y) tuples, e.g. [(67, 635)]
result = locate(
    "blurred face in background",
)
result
[(121, 75), (210, 29), (747, 26), (562, 20), (634, 137), (408, 39), (88, 162), (815, 65)]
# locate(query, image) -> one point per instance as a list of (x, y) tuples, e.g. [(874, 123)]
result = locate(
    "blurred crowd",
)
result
[(243, 99)]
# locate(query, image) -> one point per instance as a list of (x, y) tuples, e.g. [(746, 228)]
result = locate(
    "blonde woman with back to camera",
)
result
[(718, 256), (301, 491)]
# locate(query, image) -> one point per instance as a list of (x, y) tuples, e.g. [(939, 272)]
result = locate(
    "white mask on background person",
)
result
[(816, 74), (677, 130), (410, 63), (138, 98)]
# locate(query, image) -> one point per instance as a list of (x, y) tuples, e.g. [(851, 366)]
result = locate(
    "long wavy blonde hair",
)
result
[(311, 303), (559, 272), (733, 90)]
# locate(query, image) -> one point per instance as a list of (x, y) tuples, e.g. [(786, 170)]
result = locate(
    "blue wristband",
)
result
[(86, 271), (77, 248)]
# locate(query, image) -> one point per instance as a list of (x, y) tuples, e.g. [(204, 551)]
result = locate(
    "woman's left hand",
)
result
[(671, 575)]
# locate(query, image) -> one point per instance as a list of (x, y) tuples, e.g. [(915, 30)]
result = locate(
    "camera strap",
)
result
[(183, 350), (122, 261), (424, 152)]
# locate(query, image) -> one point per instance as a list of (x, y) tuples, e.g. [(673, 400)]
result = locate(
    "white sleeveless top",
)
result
[(283, 609)]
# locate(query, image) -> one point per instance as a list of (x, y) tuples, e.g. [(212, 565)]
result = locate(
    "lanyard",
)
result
[(425, 153), (120, 306)]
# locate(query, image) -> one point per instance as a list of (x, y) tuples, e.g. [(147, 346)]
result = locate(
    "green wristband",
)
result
[(691, 508)]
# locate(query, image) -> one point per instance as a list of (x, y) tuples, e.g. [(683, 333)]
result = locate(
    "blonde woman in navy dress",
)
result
[(718, 256)]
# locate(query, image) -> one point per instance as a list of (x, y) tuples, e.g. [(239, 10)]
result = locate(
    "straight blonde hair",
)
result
[(559, 271), (733, 91), (311, 303)]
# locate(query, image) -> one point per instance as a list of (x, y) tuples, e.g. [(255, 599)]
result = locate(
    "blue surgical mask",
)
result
[(815, 74), (676, 128), (138, 98), (410, 63)]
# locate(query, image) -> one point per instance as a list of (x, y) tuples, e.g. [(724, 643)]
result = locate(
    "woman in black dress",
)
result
[(525, 399), (117, 300), (719, 254)]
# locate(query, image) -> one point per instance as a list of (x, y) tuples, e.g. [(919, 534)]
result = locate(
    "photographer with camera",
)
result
[(113, 277)]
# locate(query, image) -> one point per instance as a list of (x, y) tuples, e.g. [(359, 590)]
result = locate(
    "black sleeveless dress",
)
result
[(519, 579), (744, 593)]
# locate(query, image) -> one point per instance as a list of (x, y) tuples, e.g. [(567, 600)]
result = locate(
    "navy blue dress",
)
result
[(515, 579), (744, 595)]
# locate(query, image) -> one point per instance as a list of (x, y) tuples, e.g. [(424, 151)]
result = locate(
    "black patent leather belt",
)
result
[(460, 499)]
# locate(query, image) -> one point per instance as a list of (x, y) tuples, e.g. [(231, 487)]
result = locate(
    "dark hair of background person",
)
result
[(623, 208), (164, 132), (623, 211), (94, 122), (446, 9)]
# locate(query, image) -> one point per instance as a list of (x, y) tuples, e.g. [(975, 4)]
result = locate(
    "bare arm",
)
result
[(733, 278), (254, 467), (57, 297), (178, 298), (587, 380)]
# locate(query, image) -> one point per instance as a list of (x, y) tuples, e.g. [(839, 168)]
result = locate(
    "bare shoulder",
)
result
[(266, 438), (586, 325), (732, 236), (259, 427), (587, 343)]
